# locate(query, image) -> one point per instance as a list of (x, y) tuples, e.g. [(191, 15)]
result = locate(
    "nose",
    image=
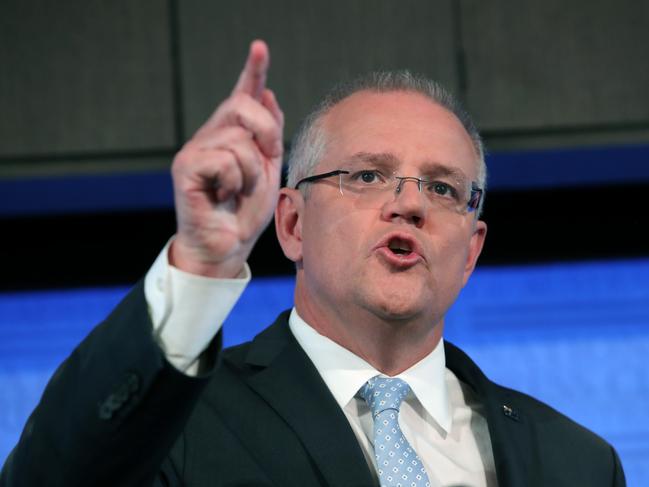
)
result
[(407, 203)]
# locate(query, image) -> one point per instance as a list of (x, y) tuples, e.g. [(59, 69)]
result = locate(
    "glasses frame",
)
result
[(472, 205)]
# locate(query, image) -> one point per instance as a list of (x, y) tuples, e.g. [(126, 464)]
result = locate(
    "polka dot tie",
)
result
[(396, 461)]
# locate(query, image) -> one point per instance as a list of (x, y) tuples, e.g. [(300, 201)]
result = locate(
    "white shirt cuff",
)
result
[(188, 310)]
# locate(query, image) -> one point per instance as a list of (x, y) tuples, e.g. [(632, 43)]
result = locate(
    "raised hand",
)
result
[(226, 178)]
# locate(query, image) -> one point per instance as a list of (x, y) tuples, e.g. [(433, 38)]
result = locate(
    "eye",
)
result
[(439, 188), (368, 176)]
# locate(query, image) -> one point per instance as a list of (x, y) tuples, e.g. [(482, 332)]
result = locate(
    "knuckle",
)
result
[(241, 133), (230, 182), (183, 185), (277, 132), (227, 160), (182, 159)]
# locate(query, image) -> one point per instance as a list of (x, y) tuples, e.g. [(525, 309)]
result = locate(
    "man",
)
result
[(356, 386)]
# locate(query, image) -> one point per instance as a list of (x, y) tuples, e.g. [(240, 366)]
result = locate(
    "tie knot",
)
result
[(383, 393)]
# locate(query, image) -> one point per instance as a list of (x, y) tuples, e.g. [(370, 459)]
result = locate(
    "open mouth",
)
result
[(399, 246), (400, 250)]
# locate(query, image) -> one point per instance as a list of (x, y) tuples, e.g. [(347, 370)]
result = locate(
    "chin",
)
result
[(395, 296), (400, 306)]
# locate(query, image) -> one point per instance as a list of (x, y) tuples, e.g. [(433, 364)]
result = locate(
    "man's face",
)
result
[(402, 258)]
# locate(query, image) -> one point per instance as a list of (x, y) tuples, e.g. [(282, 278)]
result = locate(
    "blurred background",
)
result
[(96, 96)]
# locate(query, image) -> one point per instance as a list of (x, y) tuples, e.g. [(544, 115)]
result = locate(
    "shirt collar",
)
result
[(345, 373)]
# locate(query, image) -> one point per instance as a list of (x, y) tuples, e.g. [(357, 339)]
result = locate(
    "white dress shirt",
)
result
[(187, 310), (440, 418)]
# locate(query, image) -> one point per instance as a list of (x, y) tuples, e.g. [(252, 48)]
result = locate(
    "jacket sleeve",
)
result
[(111, 412), (618, 474)]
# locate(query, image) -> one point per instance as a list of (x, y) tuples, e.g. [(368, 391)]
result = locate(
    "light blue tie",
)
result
[(396, 461)]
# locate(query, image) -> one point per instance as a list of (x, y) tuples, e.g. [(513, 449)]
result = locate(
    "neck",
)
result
[(390, 344)]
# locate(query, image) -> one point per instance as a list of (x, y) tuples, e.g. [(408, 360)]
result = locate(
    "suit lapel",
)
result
[(513, 437), (291, 385)]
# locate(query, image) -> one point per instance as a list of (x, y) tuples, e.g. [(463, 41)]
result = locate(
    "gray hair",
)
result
[(310, 141)]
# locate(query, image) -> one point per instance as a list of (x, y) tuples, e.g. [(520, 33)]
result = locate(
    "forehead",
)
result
[(414, 129)]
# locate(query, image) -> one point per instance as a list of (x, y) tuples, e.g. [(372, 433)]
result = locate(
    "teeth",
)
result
[(399, 245)]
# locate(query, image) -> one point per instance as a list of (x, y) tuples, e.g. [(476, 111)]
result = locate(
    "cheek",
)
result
[(334, 242), (453, 256), (320, 249)]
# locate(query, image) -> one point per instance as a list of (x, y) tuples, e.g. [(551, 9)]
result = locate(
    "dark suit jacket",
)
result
[(117, 413)]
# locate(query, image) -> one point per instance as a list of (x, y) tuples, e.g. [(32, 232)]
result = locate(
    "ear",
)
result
[(475, 247), (288, 222)]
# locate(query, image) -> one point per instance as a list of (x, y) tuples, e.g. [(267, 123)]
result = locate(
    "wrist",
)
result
[(193, 261)]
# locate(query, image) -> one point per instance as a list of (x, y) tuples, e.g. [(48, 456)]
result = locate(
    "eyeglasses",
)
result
[(369, 187)]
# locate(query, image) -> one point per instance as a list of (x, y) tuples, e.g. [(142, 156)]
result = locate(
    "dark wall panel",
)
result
[(98, 76), (313, 45), (84, 76), (557, 64)]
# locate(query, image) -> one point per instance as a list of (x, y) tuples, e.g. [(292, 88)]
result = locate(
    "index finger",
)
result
[(252, 79)]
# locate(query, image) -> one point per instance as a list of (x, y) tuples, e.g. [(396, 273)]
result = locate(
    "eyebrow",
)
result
[(391, 161)]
